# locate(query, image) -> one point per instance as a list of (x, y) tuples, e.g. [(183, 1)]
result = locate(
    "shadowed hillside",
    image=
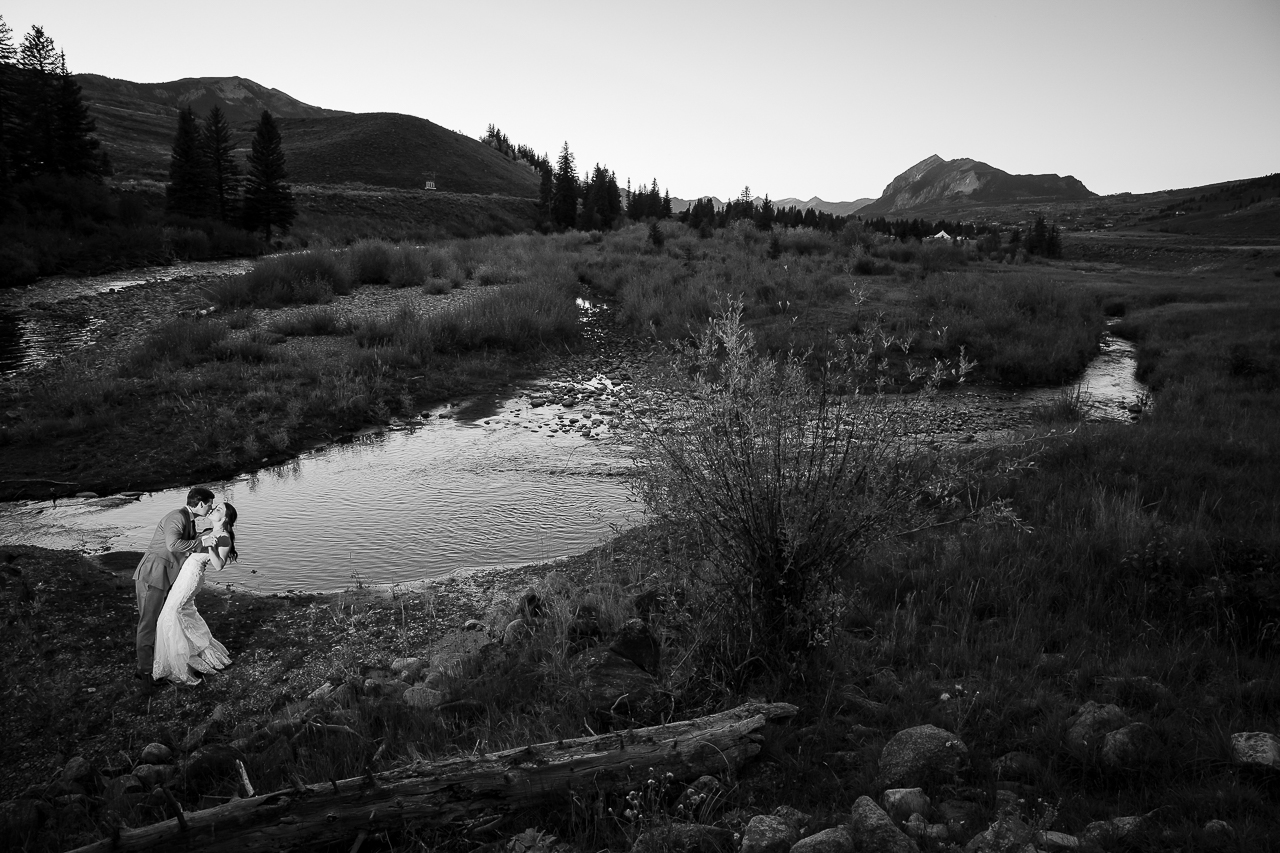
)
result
[(392, 150), (136, 123)]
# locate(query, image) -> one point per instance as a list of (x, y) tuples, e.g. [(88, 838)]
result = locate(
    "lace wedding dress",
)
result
[(184, 644)]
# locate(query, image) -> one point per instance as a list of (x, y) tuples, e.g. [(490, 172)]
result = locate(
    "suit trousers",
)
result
[(150, 601)]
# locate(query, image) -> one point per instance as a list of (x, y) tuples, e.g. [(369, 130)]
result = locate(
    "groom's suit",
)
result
[(171, 544)]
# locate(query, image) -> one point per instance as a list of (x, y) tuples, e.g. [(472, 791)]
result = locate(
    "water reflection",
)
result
[(390, 507)]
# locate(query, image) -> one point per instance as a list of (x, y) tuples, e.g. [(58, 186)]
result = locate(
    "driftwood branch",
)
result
[(460, 790)]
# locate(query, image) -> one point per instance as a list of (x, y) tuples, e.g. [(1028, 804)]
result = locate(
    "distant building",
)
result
[(430, 185), (941, 235)]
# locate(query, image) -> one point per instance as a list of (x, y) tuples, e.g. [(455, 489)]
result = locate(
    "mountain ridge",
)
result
[(935, 185), (136, 123)]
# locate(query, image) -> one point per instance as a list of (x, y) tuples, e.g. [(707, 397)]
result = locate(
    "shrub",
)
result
[(300, 277), (311, 321), (184, 342), (372, 261), (773, 485)]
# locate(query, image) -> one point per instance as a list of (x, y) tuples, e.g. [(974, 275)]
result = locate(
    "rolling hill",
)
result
[(136, 123)]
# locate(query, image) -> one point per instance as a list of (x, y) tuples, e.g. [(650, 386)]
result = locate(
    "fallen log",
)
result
[(460, 790)]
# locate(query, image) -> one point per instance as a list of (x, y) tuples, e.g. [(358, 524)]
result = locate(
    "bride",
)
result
[(184, 646)]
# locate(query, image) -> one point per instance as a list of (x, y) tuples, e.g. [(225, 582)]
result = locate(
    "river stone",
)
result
[(611, 683), (120, 785), (1009, 833), (701, 796), (963, 818), (151, 775), (408, 668), (1256, 749), (1057, 842), (1118, 830), (683, 838), (211, 765), (1132, 746), (324, 691), (1219, 833), (636, 643), (1093, 722), (796, 819), (901, 803), (872, 829), (920, 755), (423, 697), (21, 819), (156, 753), (516, 632), (1018, 767), (837, 839), (768, 834)]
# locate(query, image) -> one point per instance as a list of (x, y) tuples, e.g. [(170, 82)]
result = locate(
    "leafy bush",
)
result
[(299, 277), (774, 485), (181, 342), (372, 261)]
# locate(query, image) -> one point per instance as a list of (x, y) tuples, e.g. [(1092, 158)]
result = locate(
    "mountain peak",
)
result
[(934, 184)]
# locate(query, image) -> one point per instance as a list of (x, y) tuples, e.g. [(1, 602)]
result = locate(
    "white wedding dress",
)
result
[(184, 644)]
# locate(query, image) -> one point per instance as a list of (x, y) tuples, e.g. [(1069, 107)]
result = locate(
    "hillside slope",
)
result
[(392, 150), (136, 123), (938, 186)]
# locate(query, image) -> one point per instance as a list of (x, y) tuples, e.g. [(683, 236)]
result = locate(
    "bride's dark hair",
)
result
[(229, 525)]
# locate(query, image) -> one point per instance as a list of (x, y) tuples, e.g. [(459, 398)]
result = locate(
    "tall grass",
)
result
[(307, 277), (1022, 328)]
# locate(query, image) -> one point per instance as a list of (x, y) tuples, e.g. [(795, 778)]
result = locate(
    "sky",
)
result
[(794, 99)]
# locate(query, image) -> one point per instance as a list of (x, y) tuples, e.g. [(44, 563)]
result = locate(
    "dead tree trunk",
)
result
[(461, 790)]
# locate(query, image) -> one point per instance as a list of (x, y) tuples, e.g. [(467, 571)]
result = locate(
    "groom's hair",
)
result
[(199, 495)]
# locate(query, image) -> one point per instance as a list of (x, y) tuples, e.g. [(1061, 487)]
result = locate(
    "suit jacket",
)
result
[(171, 544)]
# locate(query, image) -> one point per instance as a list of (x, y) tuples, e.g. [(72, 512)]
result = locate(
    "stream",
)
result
[(529, 477)]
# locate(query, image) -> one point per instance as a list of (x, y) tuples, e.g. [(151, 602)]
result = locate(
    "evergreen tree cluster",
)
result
[(205, 180), (918, 229), (589, 202), (45, 127), (703, 215), (1044, 239)]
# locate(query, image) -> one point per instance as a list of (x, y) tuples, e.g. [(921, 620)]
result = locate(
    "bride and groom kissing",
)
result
[(173, 641)]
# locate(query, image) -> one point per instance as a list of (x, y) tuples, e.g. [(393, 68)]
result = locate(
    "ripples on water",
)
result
[(395, 507)]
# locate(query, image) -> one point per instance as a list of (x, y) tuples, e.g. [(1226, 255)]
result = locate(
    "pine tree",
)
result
[(564, 191), (224, 174), (75, 148), (268, 200), (189, 191), (37, 105), (8, 92)]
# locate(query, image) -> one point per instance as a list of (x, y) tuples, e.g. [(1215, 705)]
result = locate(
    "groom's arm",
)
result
[(174, 525)]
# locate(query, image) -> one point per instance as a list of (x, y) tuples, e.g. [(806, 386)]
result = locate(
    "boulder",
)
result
[(963, 818), (1256, 749), (120, 785), (156, 753), (20, 820), (872, 829), (918, 756), (684, 838), (1057, 842), (152, 775), (1008, 834), (1131, 746), (1093, 722), (702, 797), (1218, 833), (408, 669), (902, 803), (636, 643), (1118, 830), (796, 819), (838, 839), (211, 766), (423, 697), (768, 834), (78, 771), (610, 683), (516, 633), (1018, 767)]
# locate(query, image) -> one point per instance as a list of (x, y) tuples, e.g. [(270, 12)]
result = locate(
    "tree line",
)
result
[(592, 201), (45, 127), (205, 181)]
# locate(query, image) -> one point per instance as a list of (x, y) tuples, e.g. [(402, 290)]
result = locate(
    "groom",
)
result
[(174, 540)]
